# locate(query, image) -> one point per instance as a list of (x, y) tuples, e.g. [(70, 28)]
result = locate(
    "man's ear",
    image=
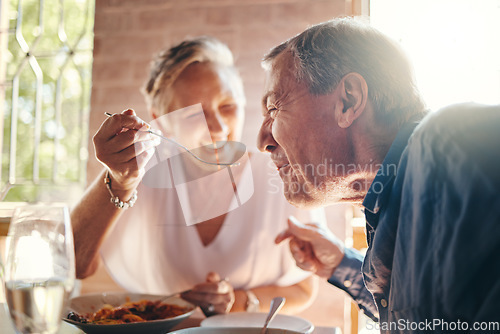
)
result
[(354, 95)]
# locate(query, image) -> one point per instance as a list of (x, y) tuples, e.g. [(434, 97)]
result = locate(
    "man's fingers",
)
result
[(307, 266), (283, 236), (297, 250), (302, 231), (290, 232)]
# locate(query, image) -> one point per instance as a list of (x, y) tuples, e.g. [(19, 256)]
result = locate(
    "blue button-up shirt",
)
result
[(433, 226)]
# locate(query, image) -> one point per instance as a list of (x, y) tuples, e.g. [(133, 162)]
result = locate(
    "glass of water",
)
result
[(40, 267)]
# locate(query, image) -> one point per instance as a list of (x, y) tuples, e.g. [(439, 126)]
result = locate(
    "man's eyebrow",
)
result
[(273, 94), (264, 102), (265, 97)]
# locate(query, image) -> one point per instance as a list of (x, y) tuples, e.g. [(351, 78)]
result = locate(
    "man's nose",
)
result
[(265, 139)]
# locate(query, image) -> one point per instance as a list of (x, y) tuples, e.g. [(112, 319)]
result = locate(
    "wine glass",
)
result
[(40, 267)]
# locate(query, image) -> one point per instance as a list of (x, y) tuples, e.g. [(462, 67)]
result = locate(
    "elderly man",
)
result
[(343, 121)]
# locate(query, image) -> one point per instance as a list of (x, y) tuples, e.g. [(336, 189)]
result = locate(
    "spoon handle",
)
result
[(276, 305), (185, 148)]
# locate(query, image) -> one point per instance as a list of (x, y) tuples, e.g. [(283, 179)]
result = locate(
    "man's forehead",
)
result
[(283, 64), (280, 74), (282, 81)]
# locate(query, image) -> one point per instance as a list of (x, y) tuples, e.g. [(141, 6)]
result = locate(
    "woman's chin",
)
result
[(217, 145)]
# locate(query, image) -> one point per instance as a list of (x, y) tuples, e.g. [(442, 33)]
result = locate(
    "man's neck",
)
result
[(370, 143)]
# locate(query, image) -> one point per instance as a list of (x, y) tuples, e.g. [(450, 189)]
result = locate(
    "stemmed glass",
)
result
[(40, 267)]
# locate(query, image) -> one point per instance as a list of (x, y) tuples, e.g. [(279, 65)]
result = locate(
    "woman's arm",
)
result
[(124, 152), (298, 296), (219, 294), (91, 218)]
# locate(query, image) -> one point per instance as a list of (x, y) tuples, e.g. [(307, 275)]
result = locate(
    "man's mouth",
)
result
[(280, 160)]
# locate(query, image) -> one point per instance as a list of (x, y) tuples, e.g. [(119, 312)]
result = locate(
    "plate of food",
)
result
[(257, 319), (127, 313)]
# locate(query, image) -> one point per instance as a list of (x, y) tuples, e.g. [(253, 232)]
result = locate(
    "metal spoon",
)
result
[(276, 305), (186, 149)]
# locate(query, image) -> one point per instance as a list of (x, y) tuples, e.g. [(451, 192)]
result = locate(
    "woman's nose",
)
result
[(217, 126)]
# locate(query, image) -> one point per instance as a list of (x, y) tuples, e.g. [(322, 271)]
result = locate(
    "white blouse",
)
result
[(154, 249)]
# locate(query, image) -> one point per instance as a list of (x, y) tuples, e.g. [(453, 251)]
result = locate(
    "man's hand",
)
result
[(313, 246), (213, 296)]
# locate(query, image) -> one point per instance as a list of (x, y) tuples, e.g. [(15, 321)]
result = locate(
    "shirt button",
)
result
[(347, 283), (383, 302)]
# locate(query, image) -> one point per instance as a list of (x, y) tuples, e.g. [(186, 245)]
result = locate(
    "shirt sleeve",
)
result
[(348, 277)]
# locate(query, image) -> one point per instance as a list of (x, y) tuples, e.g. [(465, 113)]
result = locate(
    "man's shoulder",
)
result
[(459, 119), (459, 137)]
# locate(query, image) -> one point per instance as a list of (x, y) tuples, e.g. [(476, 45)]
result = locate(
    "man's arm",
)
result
[(348, 277), (316, 249)]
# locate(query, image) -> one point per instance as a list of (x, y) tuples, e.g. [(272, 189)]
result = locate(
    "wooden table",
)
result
[(193, 321), (7, 328)]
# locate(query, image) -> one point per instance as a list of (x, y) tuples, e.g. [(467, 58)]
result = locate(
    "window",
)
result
[(454, 46), (45, 79)]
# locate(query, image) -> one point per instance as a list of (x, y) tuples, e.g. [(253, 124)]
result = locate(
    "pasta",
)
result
[(144, 310)]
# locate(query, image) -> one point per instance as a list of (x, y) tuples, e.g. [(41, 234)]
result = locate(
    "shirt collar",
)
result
[(387, 171)]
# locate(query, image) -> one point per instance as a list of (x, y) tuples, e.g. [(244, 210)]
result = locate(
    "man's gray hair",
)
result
[(323, 54), (169, 64)]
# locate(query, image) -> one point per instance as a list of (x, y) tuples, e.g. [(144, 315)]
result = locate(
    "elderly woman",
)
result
[(149, 247)]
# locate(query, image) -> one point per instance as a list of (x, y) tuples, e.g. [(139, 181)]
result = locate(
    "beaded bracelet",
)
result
[(117, 201)]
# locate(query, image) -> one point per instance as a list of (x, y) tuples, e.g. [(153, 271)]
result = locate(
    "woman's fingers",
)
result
[(211, 302), (218, 287), (110, 142), (214, 296), (140, 145), (128, 112), (127, 120), (124, 146), (114, 133), (200, 297), (213, 277)]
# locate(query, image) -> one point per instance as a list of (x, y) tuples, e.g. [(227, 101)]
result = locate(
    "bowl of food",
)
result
[(257, 319), (127, 313)]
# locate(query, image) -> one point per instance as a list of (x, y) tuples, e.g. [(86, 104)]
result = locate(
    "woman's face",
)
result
[(213, 87)]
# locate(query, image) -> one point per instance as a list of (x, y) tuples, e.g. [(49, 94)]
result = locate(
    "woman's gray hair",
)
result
[(323, 54), (169, 64)]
